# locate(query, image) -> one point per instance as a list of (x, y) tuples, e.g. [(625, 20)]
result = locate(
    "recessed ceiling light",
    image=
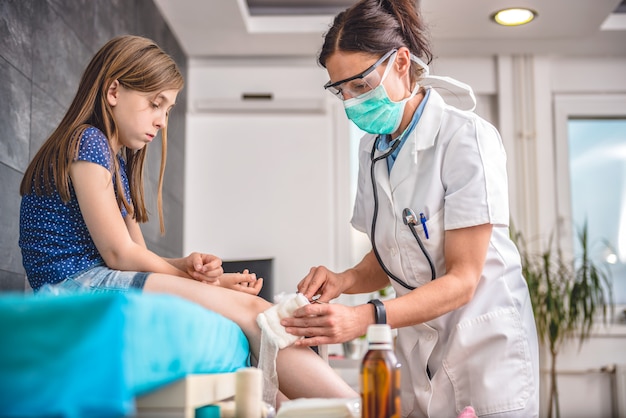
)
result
[(514, 16)]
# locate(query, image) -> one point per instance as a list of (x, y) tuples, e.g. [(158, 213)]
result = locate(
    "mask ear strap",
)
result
[(422, 64), (461, 93)]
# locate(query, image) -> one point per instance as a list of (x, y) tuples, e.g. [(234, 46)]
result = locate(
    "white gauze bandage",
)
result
[(274, 338)]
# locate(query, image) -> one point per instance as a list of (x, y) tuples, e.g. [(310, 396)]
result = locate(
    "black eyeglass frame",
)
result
[(361, 74)]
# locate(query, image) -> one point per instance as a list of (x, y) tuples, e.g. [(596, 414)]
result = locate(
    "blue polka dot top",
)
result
[(54, 239)]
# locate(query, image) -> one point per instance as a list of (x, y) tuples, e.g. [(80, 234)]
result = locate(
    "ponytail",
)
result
[(377, 26), (411, 26)]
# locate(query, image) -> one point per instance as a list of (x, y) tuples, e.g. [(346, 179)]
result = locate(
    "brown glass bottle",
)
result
[(380, 376)]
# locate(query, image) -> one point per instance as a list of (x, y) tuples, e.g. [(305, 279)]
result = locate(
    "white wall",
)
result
[(265, 178)]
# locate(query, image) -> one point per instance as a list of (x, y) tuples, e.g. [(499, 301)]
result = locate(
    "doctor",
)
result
[(432, 196)]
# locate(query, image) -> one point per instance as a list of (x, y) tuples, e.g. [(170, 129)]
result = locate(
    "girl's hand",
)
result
[(328, 323), (204, 267), (244, 282)]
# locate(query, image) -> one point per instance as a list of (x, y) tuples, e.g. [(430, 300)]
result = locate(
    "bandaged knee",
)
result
[(274, 337), (269, 321)]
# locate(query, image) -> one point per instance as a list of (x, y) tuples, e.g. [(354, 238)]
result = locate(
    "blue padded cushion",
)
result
[(91, 354)]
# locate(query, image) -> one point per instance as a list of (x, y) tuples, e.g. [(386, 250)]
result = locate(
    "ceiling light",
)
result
[(514, 16)]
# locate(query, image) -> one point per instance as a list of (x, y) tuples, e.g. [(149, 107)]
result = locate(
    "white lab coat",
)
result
[(452, 168)]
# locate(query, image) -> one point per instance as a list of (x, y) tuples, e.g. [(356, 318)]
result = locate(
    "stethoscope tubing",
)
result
[(375, 218)]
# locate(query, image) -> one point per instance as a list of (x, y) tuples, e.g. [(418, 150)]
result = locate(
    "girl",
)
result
[(83, 200), (466, 333)]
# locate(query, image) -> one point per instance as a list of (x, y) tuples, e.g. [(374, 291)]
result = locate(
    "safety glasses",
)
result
[(358, 84)]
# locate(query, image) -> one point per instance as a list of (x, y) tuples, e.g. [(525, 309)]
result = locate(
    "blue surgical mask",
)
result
[(374, 112)]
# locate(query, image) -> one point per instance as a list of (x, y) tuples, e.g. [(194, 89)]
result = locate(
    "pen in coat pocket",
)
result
[(423, 221)]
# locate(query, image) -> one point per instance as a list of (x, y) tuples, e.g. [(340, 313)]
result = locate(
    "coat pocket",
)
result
[(489, 363)]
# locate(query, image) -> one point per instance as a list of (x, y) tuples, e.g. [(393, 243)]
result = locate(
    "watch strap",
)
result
[(380, 314)]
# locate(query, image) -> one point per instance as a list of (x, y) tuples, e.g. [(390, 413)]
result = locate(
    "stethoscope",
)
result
[(408, 216)]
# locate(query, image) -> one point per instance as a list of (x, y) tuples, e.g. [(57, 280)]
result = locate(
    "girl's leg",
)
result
[(301, 372)]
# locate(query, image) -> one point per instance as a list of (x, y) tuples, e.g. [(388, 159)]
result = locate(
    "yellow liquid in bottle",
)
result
[(380, 385)]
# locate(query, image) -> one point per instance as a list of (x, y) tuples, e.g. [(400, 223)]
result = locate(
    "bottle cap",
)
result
[(379, 334)]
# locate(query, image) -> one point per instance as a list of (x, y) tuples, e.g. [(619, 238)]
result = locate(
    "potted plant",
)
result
[(567, 294)]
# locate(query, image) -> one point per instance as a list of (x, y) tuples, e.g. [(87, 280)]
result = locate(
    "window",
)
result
[(591, 178), (597, 165)]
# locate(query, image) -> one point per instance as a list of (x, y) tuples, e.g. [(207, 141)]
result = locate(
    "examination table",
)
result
[(114, 355)]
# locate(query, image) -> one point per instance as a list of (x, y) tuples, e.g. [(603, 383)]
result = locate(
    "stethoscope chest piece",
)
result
[(408, 216)]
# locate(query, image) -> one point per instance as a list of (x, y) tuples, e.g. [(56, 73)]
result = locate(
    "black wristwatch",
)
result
[(380, 315)]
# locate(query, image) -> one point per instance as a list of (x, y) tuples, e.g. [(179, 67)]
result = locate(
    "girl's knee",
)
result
[(260, 305)]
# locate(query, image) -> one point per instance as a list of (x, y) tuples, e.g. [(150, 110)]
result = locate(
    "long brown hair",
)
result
[(138, 64), (376, 27)]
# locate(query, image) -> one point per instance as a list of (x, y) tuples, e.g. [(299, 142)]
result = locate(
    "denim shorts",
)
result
[(99, 278)]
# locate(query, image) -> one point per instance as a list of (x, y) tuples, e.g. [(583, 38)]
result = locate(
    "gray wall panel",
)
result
[(11, 258), (14, 116), (16, 34), (11, 282)]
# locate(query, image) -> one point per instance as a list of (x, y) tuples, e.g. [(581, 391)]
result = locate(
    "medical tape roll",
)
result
[(248, 393), (274, 338)]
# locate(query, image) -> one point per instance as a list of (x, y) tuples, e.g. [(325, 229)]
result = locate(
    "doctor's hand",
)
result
[(203, 267), (323, 283), (328, 323), (244, 282)]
